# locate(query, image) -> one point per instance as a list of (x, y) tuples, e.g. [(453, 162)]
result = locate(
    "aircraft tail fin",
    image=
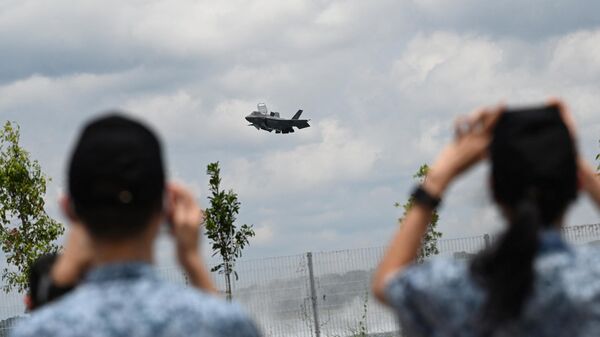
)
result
[(297, 115)]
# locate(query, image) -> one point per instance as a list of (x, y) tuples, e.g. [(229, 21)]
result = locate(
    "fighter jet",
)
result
[(262, 119)]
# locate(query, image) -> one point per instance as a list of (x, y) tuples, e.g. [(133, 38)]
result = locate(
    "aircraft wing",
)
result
[(279, 123), (286, 125), (301, 124)]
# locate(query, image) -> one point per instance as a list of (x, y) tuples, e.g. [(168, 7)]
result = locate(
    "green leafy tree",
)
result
[(227, 240), (429, 245), (26, 231)]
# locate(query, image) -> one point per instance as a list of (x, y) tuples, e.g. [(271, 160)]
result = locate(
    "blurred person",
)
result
[(118, 194), (529, 282), (41, 288), (53, 275)]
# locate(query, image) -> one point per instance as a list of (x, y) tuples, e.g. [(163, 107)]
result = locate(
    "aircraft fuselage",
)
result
[(272, 121)]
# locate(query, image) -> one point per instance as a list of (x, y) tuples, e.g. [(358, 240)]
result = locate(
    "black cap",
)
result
[(116, 165)]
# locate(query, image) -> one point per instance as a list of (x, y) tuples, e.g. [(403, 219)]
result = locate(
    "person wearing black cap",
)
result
[(119, 195), (529, 282)]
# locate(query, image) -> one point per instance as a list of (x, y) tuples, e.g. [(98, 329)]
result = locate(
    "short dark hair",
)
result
[(116, 176), (532, 152)]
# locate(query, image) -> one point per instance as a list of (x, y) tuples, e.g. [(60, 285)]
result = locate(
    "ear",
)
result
[(66, 205)]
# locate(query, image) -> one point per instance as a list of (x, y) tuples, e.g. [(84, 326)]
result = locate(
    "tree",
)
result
[(227, 240), (26, 231), (430, 239)]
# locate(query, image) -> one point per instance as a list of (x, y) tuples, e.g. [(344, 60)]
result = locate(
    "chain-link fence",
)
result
[(319, 294), (11, 306), (328, 293)]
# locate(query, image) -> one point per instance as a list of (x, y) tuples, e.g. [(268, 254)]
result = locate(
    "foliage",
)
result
[(430, 239), (227, 240), (361, 328), (26, 231)]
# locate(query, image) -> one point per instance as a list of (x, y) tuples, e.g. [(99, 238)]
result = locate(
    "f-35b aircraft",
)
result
[(262, 119)]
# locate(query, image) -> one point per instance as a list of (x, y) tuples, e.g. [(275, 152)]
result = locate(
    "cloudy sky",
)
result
[(380, 80)]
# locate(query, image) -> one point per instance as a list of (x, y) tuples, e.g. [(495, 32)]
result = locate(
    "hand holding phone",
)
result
[(186, 218), (472, 137)]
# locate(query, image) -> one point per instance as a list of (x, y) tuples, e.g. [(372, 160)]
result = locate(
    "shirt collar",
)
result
[(551, 241), (120, 271)]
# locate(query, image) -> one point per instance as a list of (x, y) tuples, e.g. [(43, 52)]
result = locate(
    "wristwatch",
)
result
[(421, 197)]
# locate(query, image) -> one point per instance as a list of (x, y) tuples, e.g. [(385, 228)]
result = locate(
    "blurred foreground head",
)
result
[(116, 177), (534, 161), (534, 179)]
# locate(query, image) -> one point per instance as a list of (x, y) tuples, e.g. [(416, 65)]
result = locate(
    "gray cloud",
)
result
[(531, 20), (380, 80)]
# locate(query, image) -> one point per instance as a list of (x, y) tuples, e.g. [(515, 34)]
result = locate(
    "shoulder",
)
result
[(59, 318), (438, 292), (171, 309), (46, 321), (431, 276), (582, 276), (588, 256), (195, 308), (576, 263), (192, 299)]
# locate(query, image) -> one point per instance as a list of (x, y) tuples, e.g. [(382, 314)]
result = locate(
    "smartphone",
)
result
[(533, 133), (532, 113)]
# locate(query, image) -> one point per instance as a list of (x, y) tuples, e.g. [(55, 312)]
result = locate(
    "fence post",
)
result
[(486, 240), (313, 295)]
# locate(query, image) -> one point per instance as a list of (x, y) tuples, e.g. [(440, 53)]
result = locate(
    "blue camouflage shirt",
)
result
[(440, 298), (130, 300)]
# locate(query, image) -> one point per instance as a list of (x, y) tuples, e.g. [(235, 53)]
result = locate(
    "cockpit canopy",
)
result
[(263, 111), (262, 108)]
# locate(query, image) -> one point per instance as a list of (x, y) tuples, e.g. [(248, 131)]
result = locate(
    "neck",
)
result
[(106, 252)]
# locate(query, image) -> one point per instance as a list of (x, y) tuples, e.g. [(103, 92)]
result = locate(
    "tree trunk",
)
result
[(227, 282)]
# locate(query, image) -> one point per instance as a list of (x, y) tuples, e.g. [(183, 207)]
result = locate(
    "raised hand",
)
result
[(186, 217)]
